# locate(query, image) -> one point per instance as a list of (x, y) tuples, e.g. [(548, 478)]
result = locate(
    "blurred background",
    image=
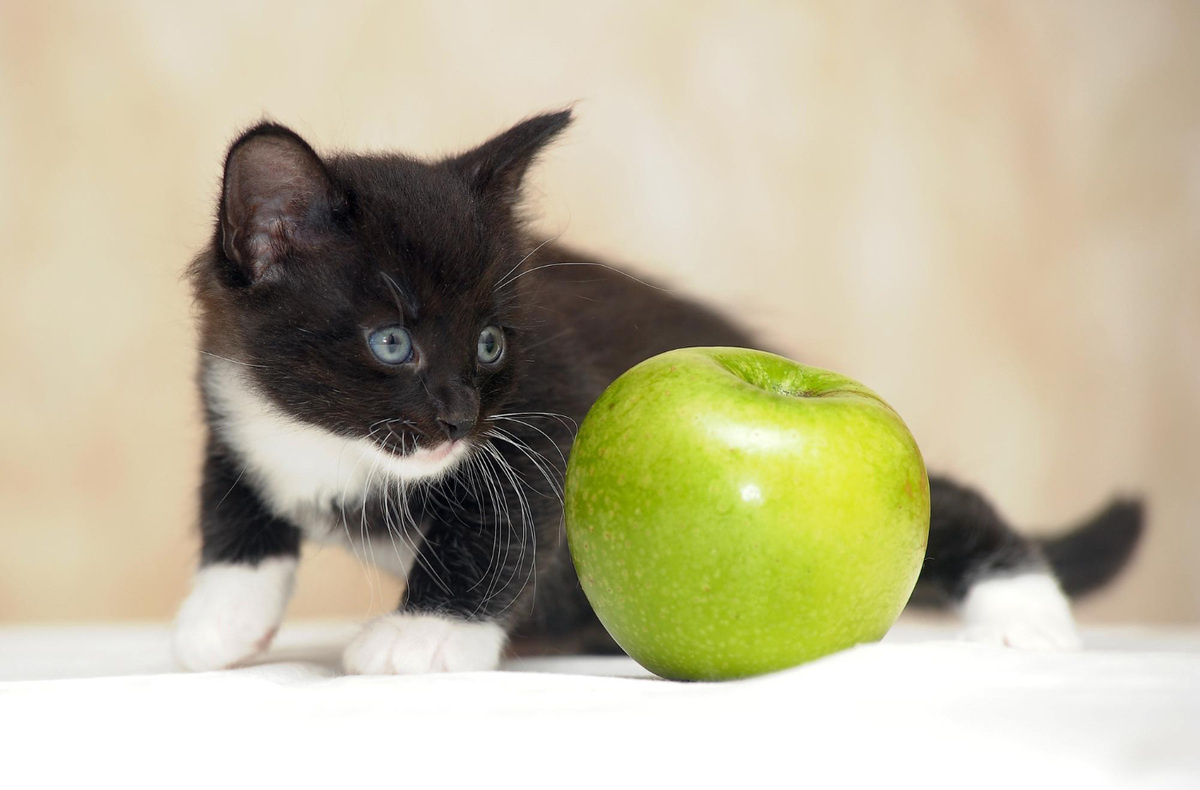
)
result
[(988, 212)]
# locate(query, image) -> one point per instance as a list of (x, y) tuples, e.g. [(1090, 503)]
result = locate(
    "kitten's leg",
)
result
[(999, 580), (247, 570), (458, 603)]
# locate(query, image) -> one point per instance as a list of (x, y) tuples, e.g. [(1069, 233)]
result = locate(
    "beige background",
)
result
[(987, 211)]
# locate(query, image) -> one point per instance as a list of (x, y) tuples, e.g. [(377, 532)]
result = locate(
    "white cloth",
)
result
[(97, 705)]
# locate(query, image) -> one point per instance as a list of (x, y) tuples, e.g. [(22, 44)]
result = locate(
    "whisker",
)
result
[(561, 418), (234, 361), (587, 263), (391, 533), (526, 526), (549, 339), (541, 465), (554, 444), (363, 534), (501, 519), (422, 561), (504, 280)]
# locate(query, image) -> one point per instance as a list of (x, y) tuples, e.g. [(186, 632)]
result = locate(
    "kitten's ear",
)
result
[(277, 198), (497, 167)]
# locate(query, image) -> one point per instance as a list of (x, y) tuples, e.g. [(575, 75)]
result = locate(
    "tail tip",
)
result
[(1124, 519), (1091, 556)]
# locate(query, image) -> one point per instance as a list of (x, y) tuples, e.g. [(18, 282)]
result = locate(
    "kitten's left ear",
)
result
[(497, 167), (277, 199)]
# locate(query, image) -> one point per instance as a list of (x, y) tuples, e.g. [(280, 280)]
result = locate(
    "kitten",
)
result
[(390, 362)]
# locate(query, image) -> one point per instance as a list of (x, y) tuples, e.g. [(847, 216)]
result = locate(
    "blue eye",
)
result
[(391, 345), (491, 345)]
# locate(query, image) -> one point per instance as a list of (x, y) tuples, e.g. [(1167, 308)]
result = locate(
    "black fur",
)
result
[(968, 540), (1087, 558), (309, 254), (234, 524)]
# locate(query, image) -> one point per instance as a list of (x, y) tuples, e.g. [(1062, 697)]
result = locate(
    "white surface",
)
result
[(917, 710)]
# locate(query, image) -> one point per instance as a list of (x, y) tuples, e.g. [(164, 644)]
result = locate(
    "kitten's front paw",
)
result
[(1027, 611), (232, 613), (410, 644)]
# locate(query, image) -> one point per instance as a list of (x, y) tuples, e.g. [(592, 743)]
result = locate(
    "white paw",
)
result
[(410, 644), (232, 613), (1027, 611)]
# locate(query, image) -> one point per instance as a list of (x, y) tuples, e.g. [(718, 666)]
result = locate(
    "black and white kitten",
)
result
[(391, 362)]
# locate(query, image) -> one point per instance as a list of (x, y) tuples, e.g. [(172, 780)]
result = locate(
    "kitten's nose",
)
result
[(456, 427), (457, 410)]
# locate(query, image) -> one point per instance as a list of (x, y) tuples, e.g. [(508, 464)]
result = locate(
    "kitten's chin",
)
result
[(425, 463)]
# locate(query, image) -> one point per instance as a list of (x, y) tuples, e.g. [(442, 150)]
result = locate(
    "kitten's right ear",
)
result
[(497, 167), (277, 198)]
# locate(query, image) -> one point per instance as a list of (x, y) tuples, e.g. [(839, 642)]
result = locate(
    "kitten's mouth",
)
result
[(423, 462), (435, 454), (406, 445), (413, 451)]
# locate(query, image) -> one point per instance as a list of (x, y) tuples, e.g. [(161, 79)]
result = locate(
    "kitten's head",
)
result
[(372, 297)]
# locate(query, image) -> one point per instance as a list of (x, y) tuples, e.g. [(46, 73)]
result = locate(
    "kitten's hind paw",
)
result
[(232, 613), (1027, 611), (410, 644)]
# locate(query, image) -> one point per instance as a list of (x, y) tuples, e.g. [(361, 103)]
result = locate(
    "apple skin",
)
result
[(731, 512)]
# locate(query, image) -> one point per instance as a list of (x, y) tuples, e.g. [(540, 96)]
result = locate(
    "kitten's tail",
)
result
[(969, 543), (1092, 554)]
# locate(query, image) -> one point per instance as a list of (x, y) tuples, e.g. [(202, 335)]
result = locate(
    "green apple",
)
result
[(731, 512)]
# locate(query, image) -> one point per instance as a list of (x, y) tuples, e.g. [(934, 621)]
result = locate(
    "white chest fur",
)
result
[(306, 474)]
